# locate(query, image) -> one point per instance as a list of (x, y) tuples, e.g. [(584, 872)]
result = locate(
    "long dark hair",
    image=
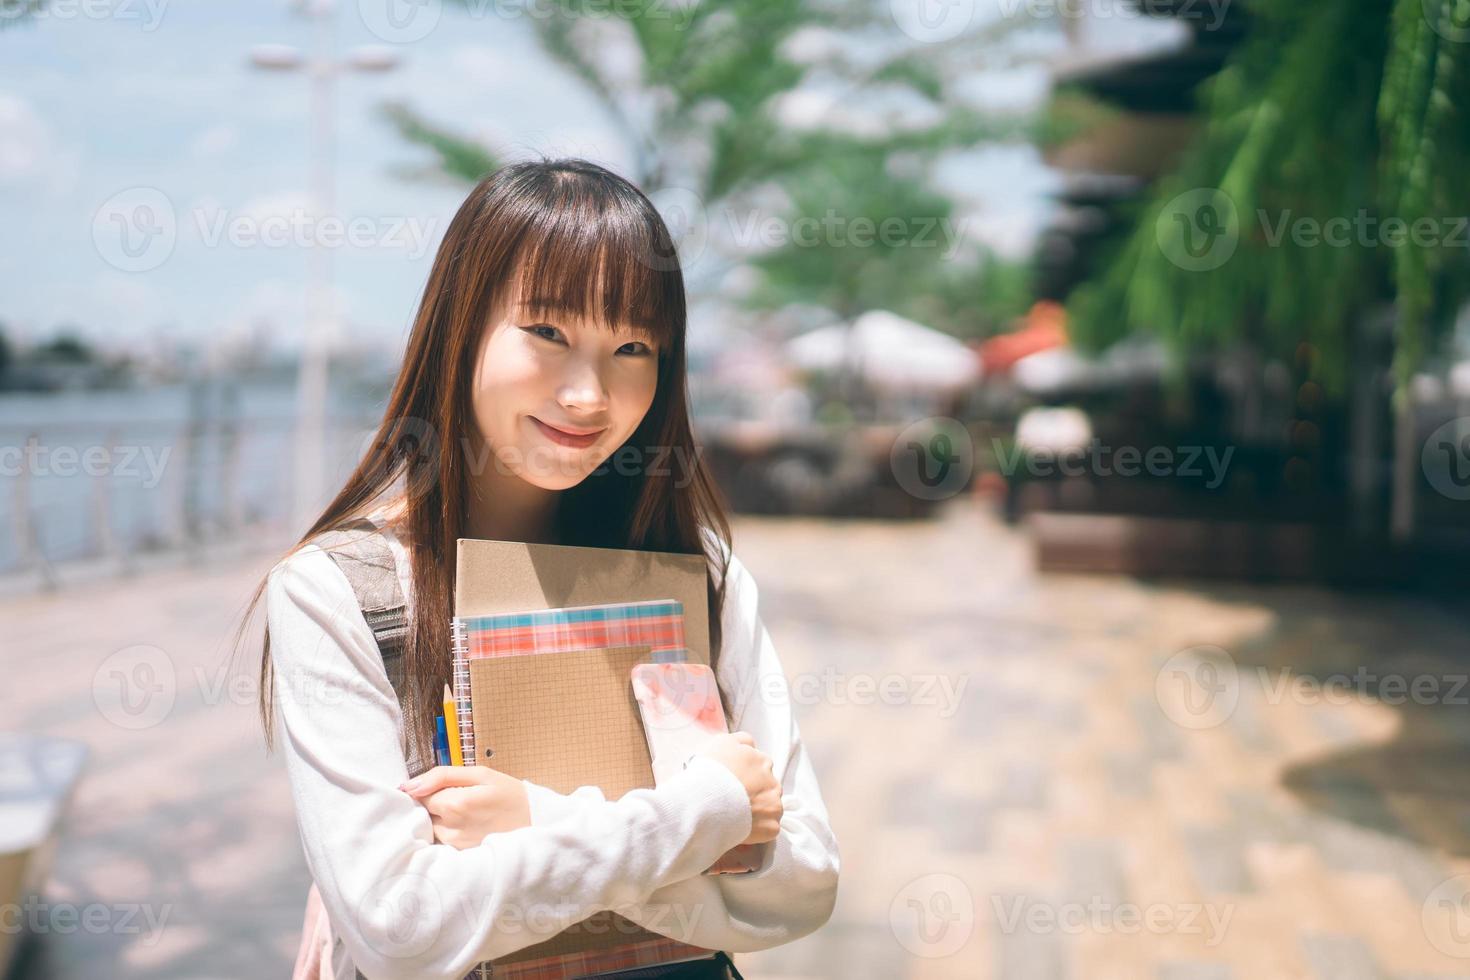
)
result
[(579, 240)]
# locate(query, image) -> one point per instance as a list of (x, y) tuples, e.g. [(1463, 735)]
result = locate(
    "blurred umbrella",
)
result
[(1062, 370), (889, 352), (1043, 328)]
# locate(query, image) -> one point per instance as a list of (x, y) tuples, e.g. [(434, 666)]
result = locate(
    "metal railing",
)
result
[(118, 493)]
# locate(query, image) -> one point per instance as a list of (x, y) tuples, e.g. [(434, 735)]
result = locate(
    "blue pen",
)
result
[(441, 741)]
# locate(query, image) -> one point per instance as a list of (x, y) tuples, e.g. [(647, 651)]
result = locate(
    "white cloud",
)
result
[(26, 144), (215, 140)]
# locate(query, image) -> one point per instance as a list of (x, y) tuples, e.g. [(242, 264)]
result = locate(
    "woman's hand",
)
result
[(736, 751), (466, 803)]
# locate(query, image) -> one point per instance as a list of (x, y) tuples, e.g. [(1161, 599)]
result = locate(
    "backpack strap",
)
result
[(363, 555)]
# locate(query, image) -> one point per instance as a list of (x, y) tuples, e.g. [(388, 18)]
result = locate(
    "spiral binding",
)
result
[(461, 686)]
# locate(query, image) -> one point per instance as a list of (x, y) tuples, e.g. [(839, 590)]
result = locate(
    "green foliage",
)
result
[(702, 115), (456, 156), (1335, 109), (66, 347)]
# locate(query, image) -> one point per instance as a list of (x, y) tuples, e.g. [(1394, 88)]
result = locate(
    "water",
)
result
[(158, 462)]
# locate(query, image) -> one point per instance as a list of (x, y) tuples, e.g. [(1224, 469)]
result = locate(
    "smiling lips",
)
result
[(564, 437)]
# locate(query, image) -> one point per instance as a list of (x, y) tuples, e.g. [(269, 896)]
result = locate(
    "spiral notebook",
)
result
[(566, 664)]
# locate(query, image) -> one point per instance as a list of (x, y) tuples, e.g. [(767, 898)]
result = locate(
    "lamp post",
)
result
[(322, 68)]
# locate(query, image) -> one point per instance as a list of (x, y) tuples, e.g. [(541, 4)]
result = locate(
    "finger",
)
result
[(441, 777), (744, 737), (445, 803)]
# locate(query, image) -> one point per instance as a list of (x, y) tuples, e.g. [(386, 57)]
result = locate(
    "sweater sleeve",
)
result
[(404, 905), (794, 890)]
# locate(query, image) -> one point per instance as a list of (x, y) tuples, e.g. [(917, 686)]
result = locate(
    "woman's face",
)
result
[(536, 376)]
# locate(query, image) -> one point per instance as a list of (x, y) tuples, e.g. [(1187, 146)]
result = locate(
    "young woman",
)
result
[(542, 398)]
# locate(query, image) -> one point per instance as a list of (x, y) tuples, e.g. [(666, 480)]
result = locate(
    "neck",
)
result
[(503, 507)]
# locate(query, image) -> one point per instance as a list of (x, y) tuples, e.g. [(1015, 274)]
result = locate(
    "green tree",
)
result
[(702, 116), (1328, 109), (1333, 111)]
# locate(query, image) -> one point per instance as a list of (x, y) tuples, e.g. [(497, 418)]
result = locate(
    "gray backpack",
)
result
[(361, 551)]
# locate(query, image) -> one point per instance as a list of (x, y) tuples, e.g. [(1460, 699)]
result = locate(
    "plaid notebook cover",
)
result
[(658, 623)]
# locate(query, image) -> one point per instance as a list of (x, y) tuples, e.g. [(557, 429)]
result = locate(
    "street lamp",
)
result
[(322, 68)]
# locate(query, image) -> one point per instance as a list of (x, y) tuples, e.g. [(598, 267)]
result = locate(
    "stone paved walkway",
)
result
[(1029, 777)]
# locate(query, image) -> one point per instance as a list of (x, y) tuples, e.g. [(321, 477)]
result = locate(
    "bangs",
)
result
[(608, 265)]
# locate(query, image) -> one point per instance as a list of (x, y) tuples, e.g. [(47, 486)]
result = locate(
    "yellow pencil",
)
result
[(451, 726)]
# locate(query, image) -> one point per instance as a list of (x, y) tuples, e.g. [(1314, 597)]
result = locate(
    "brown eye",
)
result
[(541, 326)]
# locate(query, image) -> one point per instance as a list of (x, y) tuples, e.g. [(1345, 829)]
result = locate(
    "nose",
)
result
[(581, 391)]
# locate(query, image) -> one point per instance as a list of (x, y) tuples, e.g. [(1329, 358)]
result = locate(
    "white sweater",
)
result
[(404, 906)]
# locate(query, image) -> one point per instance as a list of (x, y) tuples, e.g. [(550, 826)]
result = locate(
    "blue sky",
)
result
[(105, 100)]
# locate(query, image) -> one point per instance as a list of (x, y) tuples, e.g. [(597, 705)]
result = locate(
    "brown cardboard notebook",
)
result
[(511, 576), (587, 730), (565, 720)]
